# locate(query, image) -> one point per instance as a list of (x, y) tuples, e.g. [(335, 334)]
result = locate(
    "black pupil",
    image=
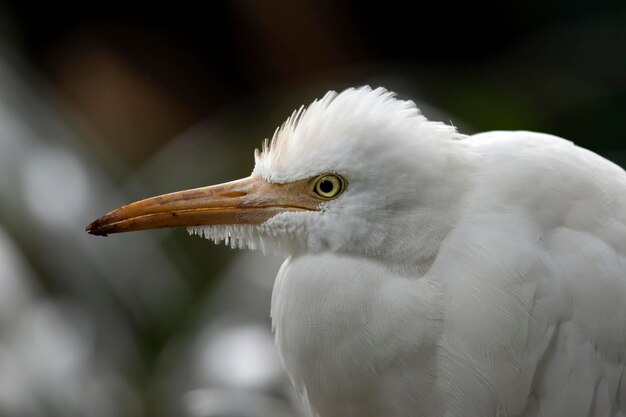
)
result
[(326, 186)]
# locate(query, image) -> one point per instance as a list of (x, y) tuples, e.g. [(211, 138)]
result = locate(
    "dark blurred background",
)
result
[(104, 103)]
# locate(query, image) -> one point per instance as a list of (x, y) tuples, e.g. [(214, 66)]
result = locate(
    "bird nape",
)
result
[(428, 273)]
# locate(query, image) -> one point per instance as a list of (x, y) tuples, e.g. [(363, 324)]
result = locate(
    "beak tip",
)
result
[(94, 228)]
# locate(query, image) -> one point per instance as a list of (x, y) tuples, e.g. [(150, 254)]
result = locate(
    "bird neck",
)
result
[(411, 239)]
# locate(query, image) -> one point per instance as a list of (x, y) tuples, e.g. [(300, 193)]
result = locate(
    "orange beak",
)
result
[(250, 200)]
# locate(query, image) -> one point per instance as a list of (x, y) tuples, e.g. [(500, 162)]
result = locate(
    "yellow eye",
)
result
[(329, 186)]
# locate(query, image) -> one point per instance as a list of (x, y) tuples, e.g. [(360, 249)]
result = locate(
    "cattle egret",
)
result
[(429, 273)]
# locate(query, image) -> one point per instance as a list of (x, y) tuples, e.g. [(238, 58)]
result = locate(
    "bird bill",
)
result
[(250, 200)]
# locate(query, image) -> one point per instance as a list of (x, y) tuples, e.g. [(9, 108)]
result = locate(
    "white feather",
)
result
[(456, 276)]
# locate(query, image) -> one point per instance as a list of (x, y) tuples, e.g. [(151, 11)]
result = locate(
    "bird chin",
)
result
[(283, 234), (240, 236)]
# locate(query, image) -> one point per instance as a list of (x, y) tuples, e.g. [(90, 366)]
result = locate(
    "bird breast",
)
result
[(356, 339)]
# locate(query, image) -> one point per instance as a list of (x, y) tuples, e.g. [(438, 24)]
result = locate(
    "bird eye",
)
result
[(329, 186)]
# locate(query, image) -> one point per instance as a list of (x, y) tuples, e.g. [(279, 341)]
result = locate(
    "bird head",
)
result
[(353, 173)]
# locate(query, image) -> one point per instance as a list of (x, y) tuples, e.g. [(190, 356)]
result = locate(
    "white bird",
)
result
[(429, 273)]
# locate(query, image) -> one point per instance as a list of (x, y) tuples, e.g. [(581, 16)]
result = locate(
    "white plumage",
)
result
[(473, 276), (477, 276)]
